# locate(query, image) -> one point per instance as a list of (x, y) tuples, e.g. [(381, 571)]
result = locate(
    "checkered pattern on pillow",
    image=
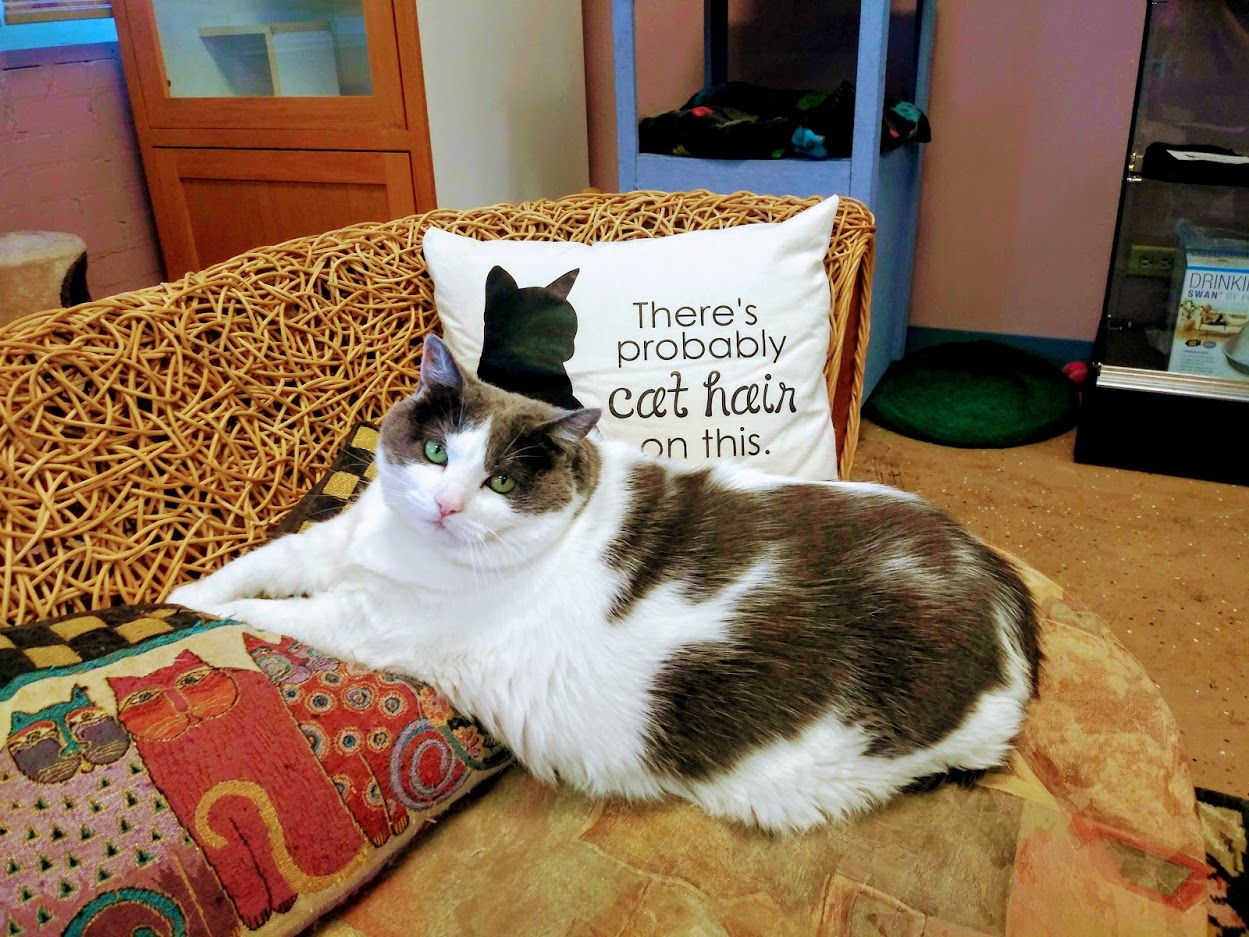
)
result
[(81, 637), (341, 485)]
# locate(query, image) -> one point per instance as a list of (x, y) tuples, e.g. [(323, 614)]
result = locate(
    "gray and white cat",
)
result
[(778, 652)]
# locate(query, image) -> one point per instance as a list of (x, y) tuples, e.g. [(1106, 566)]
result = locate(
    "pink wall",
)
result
[(1031, 105), (670, 52), (69, 161), (1030, 108)]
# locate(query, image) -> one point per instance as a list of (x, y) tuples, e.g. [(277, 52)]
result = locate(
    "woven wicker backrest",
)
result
[(164, 430)]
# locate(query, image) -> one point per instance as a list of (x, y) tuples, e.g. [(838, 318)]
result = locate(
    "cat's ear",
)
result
[(188, 659), (78, 697), (563, 286), (20, 721), (121, 686), (573, 426), (499, 283), (438, 368)]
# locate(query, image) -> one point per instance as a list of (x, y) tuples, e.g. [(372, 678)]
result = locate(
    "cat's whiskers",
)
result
[(507, 449), (493, 533), (472, 559), (473, 537), (489, 540), (499, 542)]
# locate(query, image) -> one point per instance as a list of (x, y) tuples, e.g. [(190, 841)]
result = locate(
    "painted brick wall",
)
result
[(69, 161)]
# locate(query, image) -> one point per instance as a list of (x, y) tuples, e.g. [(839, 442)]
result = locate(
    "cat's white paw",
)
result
[(295, 618), (262, 614), (198, 596)]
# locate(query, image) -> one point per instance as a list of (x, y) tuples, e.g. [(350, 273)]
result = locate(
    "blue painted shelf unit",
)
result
[(888, 184)]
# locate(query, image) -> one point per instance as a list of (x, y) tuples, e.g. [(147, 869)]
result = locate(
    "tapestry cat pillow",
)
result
[(166, 773), (699, 346)]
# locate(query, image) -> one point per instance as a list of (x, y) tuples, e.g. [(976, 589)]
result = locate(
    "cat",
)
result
[(779, 652), (61, 739), (528, 336), (238, 774), (89, 821)]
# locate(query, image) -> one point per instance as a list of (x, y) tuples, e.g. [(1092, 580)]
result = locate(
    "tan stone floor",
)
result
[(1164, 560)]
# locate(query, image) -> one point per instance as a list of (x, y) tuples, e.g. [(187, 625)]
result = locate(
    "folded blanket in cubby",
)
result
[(740, 120)]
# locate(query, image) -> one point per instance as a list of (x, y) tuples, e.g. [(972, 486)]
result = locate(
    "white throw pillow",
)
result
[(701, 346)]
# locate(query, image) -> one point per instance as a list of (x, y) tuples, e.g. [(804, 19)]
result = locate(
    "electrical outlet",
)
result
[(1147, 261)]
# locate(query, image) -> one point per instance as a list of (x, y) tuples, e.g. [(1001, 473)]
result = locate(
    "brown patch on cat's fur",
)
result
[(902, 650), (523, 444), (669, 519)]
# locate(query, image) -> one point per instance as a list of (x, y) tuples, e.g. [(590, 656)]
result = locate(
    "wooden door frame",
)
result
[(412, 74)]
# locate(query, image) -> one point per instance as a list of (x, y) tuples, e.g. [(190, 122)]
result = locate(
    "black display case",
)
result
[(1169, 388)]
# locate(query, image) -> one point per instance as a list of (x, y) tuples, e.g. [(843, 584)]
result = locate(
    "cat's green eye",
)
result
[(501, 483), (436, 452)]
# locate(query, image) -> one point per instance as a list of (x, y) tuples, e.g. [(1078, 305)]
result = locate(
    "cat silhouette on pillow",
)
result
[(529, 333)]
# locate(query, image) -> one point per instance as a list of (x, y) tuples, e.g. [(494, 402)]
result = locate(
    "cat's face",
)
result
[(169, 701), (469, 465), (55, 743), (288, 662)]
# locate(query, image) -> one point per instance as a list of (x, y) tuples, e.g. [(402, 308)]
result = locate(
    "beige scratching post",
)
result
[(41, 270)]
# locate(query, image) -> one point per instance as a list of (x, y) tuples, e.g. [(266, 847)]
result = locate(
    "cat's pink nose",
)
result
[(447, 508)]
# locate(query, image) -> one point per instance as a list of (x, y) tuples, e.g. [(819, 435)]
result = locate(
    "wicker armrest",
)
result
[(163, 430)]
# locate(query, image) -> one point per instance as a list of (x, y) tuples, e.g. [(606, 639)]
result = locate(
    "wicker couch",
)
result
[(162, 431)]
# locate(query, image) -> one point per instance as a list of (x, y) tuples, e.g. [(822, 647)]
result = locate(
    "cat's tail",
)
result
[(258, 797), (87, 918)]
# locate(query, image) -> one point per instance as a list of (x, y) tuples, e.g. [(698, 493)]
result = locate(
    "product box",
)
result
[(1211, 302)]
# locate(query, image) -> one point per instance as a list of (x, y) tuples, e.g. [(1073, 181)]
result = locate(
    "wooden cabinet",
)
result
[(212, 204), (262, 120)]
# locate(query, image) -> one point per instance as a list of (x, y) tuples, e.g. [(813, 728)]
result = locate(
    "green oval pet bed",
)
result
[(974, 395)]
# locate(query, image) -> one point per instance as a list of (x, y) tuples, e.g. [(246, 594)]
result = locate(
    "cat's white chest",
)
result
[(545, 677)]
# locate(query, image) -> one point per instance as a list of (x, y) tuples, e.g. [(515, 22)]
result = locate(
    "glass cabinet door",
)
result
[(1194, 75), (1170, 377), (231, 63), (287, 48)]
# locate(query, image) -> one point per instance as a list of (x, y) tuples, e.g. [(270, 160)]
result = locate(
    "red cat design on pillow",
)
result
[(91, 813), (224, 751), (388, 747), (351, 717)]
